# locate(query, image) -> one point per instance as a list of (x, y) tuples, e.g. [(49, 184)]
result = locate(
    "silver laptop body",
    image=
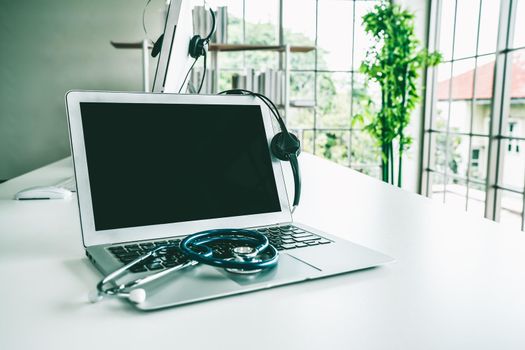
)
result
[(145, 171)]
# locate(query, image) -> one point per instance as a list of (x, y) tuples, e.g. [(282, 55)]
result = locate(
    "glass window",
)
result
[(466, 29), (325, 88), (519, 33), (333, 100), (460, 165), (335, 42)]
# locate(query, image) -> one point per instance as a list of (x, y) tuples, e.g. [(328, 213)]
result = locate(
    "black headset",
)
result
[(285, 146), (198, 44), (197, 47)]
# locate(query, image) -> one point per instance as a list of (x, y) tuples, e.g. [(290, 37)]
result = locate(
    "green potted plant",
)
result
[(394, 61)]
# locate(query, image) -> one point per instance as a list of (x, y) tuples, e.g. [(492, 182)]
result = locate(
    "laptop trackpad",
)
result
[(288, 269)]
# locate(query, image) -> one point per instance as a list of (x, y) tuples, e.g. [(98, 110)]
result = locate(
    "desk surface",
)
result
[(458, 282)]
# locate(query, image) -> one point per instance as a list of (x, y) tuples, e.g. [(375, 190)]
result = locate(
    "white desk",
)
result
[(459, 282)]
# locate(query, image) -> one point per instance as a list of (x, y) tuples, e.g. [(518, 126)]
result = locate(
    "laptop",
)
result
[(153, 168)]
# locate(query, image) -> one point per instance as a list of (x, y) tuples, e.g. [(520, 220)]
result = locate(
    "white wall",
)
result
[(48, 48)]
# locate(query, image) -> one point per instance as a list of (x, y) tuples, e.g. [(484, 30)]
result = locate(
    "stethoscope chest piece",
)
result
[(244, 254)]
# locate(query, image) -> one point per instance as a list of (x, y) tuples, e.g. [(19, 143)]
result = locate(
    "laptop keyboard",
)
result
[(281, 237)]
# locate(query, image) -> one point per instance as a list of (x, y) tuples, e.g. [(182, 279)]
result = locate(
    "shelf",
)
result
[(222, 47), (302, 103), (242, 47), (129, 45)]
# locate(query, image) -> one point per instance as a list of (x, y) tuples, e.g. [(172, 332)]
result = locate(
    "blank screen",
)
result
[(164, 163)]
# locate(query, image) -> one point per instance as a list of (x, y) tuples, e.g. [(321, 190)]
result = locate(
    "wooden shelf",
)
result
[(222, 47), (242, 47), (129, 45)]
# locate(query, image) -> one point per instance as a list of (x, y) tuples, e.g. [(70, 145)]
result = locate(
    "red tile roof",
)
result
[(462, 84)]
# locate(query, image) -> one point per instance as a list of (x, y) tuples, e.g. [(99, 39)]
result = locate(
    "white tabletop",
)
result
[(458, 282)]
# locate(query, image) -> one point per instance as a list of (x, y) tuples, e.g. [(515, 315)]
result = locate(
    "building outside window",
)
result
[(476, 109)]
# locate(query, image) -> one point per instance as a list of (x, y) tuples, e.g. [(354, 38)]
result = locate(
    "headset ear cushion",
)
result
[(196, 46), (283, 144)]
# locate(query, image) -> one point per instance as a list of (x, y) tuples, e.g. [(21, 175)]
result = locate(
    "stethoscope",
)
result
[(252, 253)]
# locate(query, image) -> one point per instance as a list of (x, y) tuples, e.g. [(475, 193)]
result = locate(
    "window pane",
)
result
[(333, 145), (334, 37), (299, 22), (516, 119), (466, 28), (478, 158), (439, 141), (513, 164), (440, 116), (461, 94), (457, 155), (366, 95), (437, 187), (519, 33), (446, 28), (365, 154), (307, 140), (476, 199), (483, 92), (511, 208), (333, 100), (362, 42), (456, 193), (299, 30), (302, 86), (488, 31), (300, 118), (262, 60), (231, 60), (262, 22)]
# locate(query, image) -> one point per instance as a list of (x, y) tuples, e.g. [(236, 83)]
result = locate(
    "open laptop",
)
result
[(153, 168)]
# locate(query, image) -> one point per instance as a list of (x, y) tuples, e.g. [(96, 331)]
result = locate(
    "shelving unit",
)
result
[(215, 49), (284, 62)]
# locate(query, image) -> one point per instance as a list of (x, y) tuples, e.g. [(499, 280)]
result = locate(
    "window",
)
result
[(476, 109), (326, 89)]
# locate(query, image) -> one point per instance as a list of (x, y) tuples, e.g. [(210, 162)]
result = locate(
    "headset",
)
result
[(198, 45), (284, 146)]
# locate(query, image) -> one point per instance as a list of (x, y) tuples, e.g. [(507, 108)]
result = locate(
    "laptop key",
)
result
[(308, 238), (324, 241), (288, 246), (303, 234), (312, 242), (138, 268), (154, 266)]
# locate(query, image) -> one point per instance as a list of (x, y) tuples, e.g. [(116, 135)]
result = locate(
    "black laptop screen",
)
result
[(164, 163)]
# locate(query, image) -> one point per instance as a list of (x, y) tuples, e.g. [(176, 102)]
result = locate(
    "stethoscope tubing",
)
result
[(188, 245), (246, 236)]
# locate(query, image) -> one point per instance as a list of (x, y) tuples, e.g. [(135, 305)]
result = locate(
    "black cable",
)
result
[(203, 73), (186, 77), (144, 20), (269, 103)]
